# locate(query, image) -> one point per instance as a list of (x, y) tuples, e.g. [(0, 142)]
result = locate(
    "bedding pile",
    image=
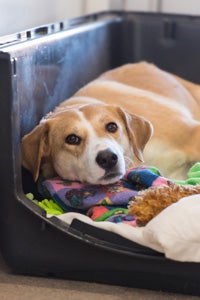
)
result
[(99, 202), (174, 232)]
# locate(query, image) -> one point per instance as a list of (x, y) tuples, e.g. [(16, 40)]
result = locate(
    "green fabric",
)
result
[(154, 170), (110, 213), (49, 205), (193, 176)]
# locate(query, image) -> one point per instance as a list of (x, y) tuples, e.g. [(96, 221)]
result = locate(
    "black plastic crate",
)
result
[(40, 68)]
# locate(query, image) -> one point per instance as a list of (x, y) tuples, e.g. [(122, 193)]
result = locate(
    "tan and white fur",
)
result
[(67, 142)]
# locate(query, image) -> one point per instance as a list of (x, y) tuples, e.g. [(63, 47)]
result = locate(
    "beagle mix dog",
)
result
[(103, 129)]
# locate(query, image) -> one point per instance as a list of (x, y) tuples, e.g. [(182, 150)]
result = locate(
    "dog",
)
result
[(106, 127)]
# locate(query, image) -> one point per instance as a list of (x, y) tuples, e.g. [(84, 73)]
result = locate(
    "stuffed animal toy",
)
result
[(150, 202)]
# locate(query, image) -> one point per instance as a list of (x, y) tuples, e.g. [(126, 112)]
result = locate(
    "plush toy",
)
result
[(150, 202)]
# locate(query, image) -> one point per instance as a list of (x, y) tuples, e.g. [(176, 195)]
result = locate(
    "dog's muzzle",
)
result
[(112, 163), (107, 159)]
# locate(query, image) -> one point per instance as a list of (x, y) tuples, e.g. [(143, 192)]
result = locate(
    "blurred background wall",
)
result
[(18, 15)]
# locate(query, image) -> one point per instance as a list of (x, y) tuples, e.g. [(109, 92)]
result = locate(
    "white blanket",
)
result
[(174, 232)]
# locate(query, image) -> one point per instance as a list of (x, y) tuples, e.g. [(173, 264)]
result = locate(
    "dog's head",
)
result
[(94, 143)]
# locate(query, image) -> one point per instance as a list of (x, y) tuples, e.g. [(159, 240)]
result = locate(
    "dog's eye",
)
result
[(73, 139), (111, 127)]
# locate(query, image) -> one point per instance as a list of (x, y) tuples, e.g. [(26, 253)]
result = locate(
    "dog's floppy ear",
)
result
[(34, 147), (139, 131)]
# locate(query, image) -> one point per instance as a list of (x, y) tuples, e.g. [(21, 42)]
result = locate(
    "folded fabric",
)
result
[(175, 232), (105, 209), (115, 215), (76, 196)]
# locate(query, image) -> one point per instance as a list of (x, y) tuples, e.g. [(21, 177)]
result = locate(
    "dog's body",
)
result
[(91, 136)]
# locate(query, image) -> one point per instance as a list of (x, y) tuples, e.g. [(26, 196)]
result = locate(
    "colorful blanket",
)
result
[(105, 202)]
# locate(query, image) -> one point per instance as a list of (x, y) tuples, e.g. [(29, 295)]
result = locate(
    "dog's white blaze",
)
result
[(93, 171)]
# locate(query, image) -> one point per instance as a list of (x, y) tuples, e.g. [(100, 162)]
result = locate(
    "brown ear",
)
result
[(35, 146), (139, 131)]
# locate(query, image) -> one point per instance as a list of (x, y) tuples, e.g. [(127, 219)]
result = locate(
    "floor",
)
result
[(16, 287)]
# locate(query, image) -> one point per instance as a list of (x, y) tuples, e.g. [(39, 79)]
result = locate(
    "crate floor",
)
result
[(16, 287)]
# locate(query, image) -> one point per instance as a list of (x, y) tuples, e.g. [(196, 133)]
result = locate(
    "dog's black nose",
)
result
[(106, 159)]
